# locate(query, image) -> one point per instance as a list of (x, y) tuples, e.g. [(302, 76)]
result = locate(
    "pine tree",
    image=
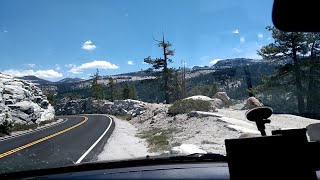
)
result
[(126, 92), (174, 85), (96, 88), (288, 45), (162, 65), (133, 92), (111, 85), (313, 62), (248, 80)]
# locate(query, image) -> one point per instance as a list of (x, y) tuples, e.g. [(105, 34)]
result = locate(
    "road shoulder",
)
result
[(123, 143)]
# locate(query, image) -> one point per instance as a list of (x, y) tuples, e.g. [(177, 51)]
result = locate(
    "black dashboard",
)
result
[(169, 171)]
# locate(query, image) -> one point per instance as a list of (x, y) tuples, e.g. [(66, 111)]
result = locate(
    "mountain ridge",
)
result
[(224, 63)]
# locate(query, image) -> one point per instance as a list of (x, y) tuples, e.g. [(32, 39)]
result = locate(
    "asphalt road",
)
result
[(79, 139)]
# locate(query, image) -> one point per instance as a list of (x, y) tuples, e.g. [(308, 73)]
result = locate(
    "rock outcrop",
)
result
[(219, 100), (91, 106), (252, 102), (202, 114), (22, 102), (224, 98)]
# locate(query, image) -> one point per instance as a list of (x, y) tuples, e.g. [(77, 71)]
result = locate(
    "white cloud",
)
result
[(236, 50), (236, 31), (130, 63), (144, 62), (242, 39), (260, 35), (93, 65), (5, 31), (213, 62), (70, 65), (58, 67), (269, 38), (88, 45), (47, 74), (30, 65)]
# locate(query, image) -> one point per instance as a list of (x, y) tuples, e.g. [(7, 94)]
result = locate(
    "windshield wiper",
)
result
[(212, 157)]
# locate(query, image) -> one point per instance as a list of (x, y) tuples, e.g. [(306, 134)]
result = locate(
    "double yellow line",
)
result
[(42, 139)]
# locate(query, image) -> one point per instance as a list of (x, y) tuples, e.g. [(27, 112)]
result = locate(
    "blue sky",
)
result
[(54, 39)]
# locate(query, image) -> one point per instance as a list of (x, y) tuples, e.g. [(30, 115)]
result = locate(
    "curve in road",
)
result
[(80, 139)]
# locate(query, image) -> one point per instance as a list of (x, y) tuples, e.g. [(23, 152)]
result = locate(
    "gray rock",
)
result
[(193, 114), (157, 111), (22, 102), (45, 104), (218, 103), (6, 121), (224, 97), (202, 114), (25, 112), (89, 106), (252, 102)]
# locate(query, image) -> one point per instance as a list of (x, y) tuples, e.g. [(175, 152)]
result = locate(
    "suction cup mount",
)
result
[(260, 115)]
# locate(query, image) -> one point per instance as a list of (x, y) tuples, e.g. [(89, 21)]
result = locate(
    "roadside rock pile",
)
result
[(22, 102), (223, 97), (219, 100), (91, 106)]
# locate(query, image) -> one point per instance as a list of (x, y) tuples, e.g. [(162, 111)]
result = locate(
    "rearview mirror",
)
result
[(296, 16)]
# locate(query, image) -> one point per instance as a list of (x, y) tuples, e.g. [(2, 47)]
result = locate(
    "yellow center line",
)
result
[(42, 139)]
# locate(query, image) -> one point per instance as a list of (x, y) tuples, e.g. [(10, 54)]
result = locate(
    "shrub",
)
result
[(47, 122), (158, 139), (23, 127), (126, 117), (6, 127), (188, 105)]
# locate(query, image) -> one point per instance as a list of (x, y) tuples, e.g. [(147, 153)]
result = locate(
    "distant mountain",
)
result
[(200, 68), (224, 71), (70, 80), (35, 80), (138, 73), (237, 62)]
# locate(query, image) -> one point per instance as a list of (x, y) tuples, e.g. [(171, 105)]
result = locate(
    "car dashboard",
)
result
[(168, 171)]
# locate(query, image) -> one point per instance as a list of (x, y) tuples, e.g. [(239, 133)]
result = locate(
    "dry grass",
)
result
[(158, 139)]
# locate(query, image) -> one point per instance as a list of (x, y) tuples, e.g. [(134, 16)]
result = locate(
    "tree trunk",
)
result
[(313, 98), (111, 93), (311, 95), (166, 90), (165, 74), (176, 86), (248, 79), (298, 84)]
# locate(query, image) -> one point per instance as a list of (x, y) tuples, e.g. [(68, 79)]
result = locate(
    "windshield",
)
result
[(87, 81)]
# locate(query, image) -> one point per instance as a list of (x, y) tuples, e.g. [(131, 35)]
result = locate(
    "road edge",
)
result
[(22, 133), (98, 140)]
